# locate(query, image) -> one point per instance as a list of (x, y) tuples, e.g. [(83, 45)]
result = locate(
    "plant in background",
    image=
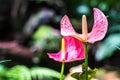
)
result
[(42, 39), (21, 72), (71, 48), (43, 42), (110, 44)]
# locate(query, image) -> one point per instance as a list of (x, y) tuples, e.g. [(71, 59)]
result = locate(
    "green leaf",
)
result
[(41, 72), (19, 72), (83, 67), (43, 32), (92, 73), (75, 75), (81, 76), (114, 29), (3, 71), (108, 47)]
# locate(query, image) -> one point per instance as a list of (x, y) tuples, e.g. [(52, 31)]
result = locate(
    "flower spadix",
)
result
[(72, 49), (98, 31)]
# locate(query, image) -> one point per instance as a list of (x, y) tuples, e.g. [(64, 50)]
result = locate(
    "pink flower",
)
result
[(98, 31), (72, 49)]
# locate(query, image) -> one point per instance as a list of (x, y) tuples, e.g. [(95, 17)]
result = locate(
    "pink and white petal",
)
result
[(99, 28), (55, 56), (66, 27), (74, 49)]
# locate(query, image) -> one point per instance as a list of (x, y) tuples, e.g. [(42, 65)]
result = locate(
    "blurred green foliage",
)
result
[(79, 76), (110, 44), (45, 39), (44, 32), (21, 72), (82, 75), (108, 47)]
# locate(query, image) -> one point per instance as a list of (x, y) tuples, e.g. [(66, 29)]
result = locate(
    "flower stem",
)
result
[(62, 71), (86, 60)]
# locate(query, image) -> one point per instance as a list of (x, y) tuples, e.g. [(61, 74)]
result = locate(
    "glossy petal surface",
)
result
[(99, 28), (74, 50)]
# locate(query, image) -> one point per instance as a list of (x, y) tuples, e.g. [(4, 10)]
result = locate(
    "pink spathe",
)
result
[(72, 43), (73, 50), (98, 32)]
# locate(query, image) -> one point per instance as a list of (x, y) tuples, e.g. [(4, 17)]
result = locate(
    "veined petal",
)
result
[(99, 28), (56, 56), (66, 27), (60, 56), (74, 50)]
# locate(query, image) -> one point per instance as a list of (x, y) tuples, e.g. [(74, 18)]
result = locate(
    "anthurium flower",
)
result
[(98, 31), (72, 49)]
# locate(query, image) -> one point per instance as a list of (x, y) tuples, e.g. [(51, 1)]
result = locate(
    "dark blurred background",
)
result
[(29, 29)]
